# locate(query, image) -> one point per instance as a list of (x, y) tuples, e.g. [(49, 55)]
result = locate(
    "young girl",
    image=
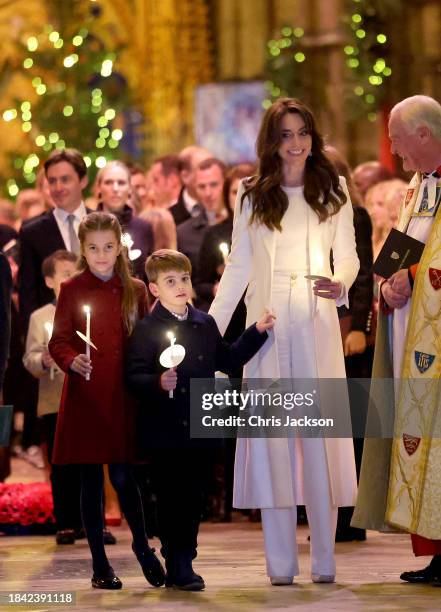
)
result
[(93, 425)]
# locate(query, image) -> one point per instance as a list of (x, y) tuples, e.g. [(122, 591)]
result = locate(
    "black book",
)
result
[(399, 251)]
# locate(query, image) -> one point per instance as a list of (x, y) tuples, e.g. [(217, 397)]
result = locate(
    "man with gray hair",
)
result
[(400, 481)]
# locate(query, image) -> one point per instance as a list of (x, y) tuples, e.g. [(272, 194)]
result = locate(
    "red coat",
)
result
[(94, 424)]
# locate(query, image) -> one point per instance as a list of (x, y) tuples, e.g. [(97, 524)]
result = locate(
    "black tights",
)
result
[(92, 485)]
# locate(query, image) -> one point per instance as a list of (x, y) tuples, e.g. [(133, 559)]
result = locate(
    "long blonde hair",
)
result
[(102, 222)]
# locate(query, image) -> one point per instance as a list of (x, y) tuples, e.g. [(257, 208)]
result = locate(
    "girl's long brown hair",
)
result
[(321, 188), (102, 222)]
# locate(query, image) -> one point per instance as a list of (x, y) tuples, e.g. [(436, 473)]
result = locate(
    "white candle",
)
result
[(318, 263), (172, 339), (223, 248), (87, 311), (49, 329)]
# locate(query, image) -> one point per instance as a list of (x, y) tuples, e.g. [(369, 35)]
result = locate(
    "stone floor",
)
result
[(232, 563)]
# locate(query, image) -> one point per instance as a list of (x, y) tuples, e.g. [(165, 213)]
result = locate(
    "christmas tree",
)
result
[(77, 98)]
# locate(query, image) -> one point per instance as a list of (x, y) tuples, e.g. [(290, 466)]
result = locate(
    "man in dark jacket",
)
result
[(209, 182), (66, 173), (189, 159)]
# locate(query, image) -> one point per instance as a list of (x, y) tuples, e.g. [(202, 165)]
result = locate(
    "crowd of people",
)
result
[(209, 250)]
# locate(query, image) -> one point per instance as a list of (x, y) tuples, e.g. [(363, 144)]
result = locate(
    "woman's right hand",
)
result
[(168, 380), (81, 365)]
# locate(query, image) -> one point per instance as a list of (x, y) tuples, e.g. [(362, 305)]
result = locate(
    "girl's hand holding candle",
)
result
[(82, 364)]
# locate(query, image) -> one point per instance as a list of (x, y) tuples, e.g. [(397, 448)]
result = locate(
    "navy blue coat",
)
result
[(164, 422)]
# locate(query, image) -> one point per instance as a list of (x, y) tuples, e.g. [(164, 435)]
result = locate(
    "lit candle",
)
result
[(172, 339), (49, 329), (318, 263), (223, 248), (87, 311), (172, 356)]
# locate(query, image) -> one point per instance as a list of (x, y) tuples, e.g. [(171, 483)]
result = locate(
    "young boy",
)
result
[(65, 480), (177, 460)]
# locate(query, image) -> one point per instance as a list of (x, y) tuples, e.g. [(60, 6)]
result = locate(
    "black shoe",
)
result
[(151, 566), (191, 583), (110, 582), (422, 576), (108, 536), (350, 534), (65, 536), (180, 574)]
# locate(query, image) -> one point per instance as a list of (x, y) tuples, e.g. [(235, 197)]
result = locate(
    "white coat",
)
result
[(263, 466)]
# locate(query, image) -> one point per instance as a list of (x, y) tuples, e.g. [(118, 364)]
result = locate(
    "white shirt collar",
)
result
[(79, 213), (189, 202)]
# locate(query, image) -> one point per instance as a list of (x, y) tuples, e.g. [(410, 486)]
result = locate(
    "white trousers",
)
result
[(280, 524), (296, 352)]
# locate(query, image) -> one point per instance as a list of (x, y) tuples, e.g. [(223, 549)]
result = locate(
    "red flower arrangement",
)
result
[(26, 504)]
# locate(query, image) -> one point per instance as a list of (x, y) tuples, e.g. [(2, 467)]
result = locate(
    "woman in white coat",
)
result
[(287, 219)]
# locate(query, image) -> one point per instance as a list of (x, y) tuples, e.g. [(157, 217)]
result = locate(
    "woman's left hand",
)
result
[(327, 289)]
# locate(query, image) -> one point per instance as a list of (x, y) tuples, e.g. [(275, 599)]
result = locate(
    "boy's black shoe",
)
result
[(180, 574), (109, 581), (151, 566)]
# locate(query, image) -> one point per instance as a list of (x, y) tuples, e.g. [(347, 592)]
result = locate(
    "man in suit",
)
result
[(189, 159), (209, 181), (166, 180), (66, 174)]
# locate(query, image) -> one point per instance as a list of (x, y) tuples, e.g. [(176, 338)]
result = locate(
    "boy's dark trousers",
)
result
[(180, 478), (65, 481)]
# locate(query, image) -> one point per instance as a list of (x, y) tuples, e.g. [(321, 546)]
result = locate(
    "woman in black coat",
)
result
[(113, 184)]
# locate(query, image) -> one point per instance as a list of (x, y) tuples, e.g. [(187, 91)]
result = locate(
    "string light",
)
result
[(45, 49), (32, 43), (9, 114), (288, 61)]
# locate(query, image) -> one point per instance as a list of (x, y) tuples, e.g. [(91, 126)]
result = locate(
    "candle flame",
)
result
[(223, 248), (86, 309)]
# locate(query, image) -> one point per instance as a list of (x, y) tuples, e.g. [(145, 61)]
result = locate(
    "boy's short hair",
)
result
[(165, 260), (48, 265)]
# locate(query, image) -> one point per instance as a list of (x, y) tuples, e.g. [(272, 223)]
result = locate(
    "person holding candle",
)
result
[(217, 239), (65, 479), (178, 461), (113, 184), (288, 218), (94, 424)]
